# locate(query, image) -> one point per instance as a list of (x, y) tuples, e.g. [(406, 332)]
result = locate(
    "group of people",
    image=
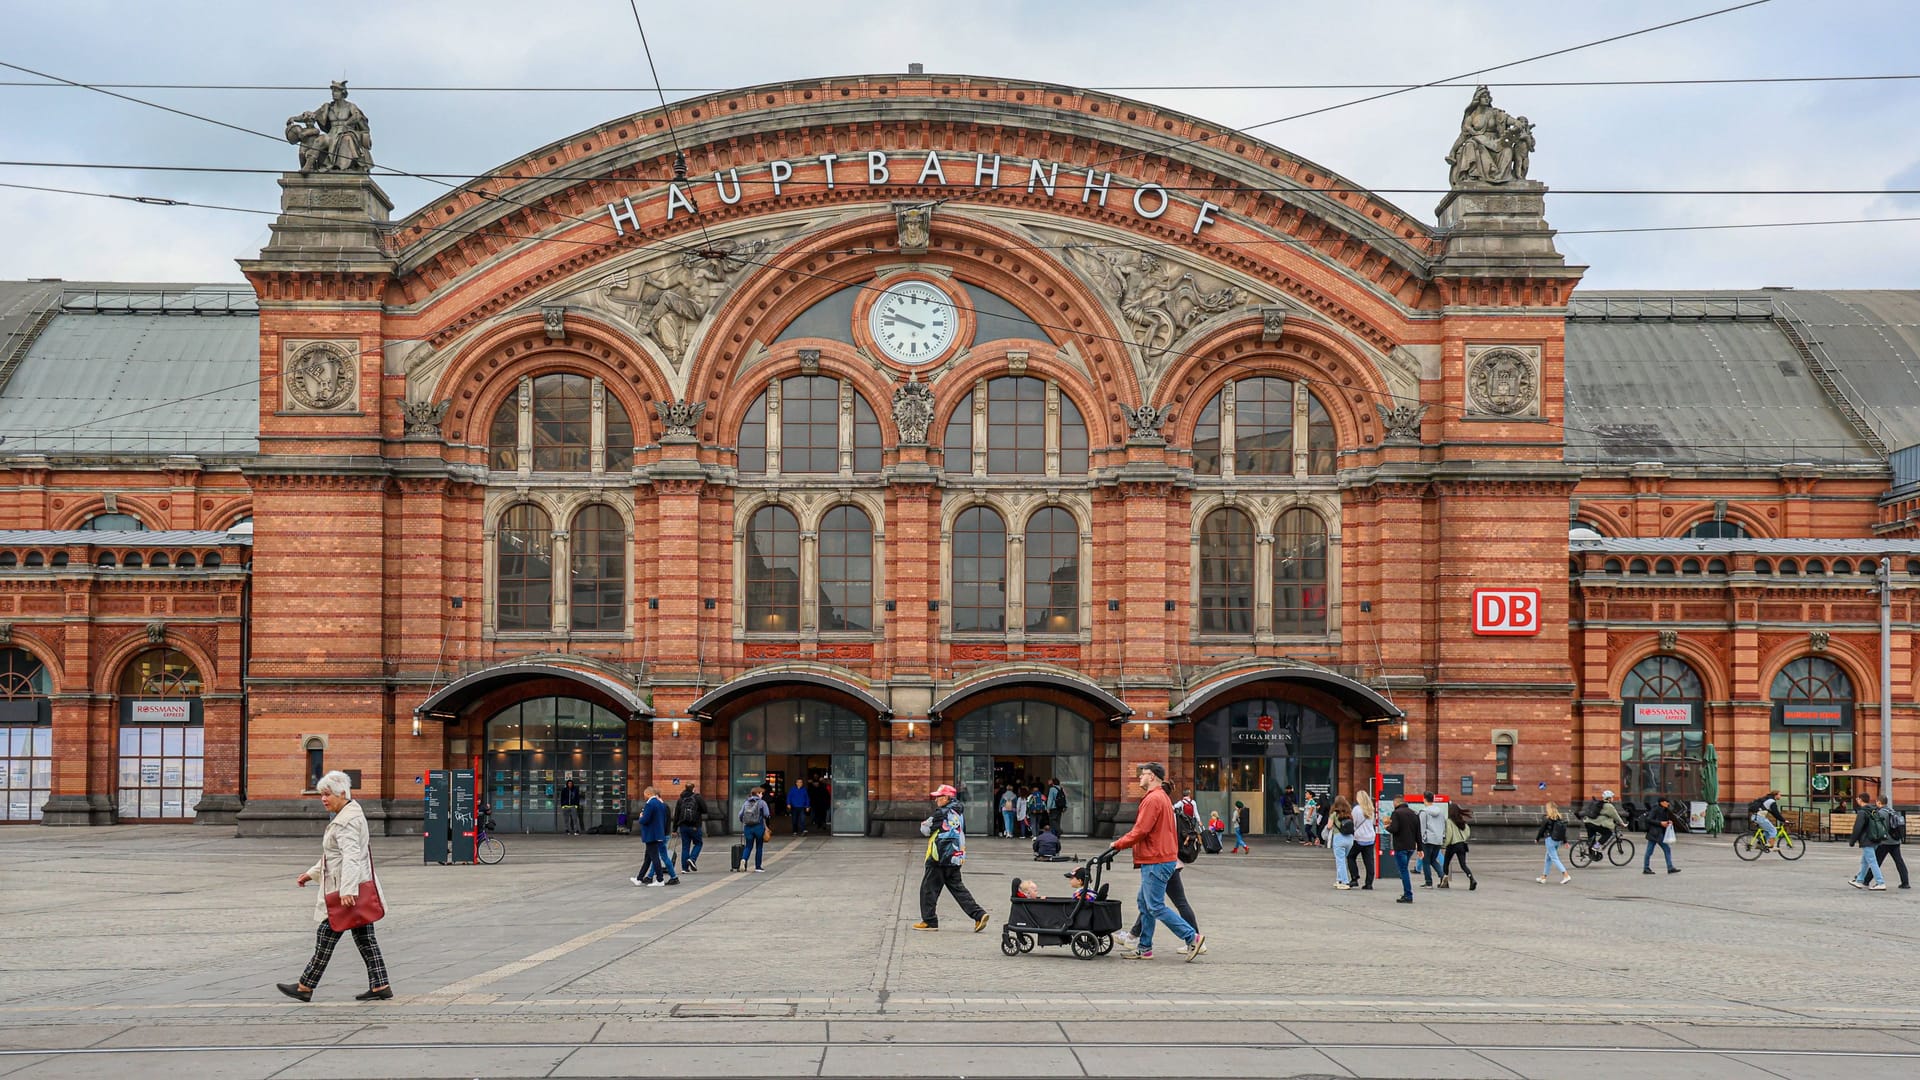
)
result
[(1025, 812), (658, 823)]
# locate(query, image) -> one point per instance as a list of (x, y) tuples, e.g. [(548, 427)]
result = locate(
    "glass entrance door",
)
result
[(795, 739), (1050, 741), (535, 746)]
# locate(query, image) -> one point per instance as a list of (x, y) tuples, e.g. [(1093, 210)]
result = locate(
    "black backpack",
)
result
[(1756, 806), (1896, 826), (689, 812), (1593, 808)]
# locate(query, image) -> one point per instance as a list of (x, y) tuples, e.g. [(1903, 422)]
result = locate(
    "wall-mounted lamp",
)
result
[(909, 731), (1403, 731), (416, 725), (676, 729)]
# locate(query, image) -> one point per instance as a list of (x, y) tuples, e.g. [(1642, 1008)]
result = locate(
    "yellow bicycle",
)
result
[(1751, 847)]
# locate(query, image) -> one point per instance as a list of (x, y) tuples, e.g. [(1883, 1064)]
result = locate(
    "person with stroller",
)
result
[(1155, 843)]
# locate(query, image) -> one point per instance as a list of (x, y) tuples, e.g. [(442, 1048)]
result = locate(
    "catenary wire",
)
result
[(666, 113)]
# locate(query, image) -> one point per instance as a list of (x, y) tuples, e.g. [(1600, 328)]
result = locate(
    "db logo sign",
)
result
[(1506, 612)]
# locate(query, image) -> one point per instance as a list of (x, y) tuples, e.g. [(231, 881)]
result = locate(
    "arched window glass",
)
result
[(1300, 574), (184, 562), (866, 436), (1789, 566), (26, 737), (160, 673), (1663, 566), (159, 560), (1690, 566), (8, 559), (1206, 440), (1662, 678), (956, 449), (503, 436), (524, 570), (1812, 679), (846, 570), (1321, 449), (36, 559), (773, 571), (113, 523), (1053, 572), (598, 570), (1717, 530), (809, 424), (619, 436), (22, 676), (1816, 566), (1017, 426), (1226, 573), (1263, 427), (162, 760), (752, 443), (1073, 439), (562, 423), (979, 572), (1812, 732), (133, 561)]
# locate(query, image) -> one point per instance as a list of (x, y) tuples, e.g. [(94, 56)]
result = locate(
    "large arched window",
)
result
[(562, 423), (26, 737), (1226, 573), (956, 449), (1017, 426), (112, 523), (1813, 680), (979, 572), (162, 742), (806, 410), (846, 570), (1717, 530), (597, 570), (1053, 572), (523, 573), (503, 436), (1300, 574), (773, 571), (1662, 732), (1662, 678), (1265, 426), (557, 422), (1812, 731)]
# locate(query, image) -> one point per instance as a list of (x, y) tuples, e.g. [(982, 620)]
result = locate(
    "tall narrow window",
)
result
[(1226, 573), (598, 570), (1206, 440), (1300, 574), (979, 572), (162, 742), (1263, 427), (773, 571), (1320, 441), (1017, 426), (956, 450), (1073, 439), (752, 443), (619, 436), (503, 438), (866, 437), (809, 424), (1053, 572), (524, 573), (846, 570), (562, 423), (26, 737)]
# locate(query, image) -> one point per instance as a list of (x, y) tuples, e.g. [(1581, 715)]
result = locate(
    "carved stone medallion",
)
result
[(1502, 381), (913, 412), (1402, 422), (1143, 424), (320, 376), (678, 417), (423, 418)]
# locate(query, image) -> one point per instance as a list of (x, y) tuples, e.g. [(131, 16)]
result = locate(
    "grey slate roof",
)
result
[(131, 369), (1873, 338)]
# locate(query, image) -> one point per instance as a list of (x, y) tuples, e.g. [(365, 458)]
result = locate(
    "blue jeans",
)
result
[(1152, 902), (1870, 864), (1646, 863), (1767, 826), (753, 843), (1402, 859), (1006, 819), (799, 815), (1342, 843), (1553, 858), (690, 844), (1238, 840)]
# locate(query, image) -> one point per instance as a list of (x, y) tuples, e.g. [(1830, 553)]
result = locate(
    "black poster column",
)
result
[(438, 791)]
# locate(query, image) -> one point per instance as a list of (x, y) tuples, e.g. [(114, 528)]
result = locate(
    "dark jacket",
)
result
[(653, 820), (1554, 827), (1047, 844), (1656, 821), (1404, 828), (690, 811), (570, 794)]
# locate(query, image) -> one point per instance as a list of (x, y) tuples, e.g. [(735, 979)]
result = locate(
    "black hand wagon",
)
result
[(1085, 924)]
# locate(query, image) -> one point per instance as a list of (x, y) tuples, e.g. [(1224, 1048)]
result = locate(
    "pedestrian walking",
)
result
[(822, 799), (1289, 815), (1309, 813), (755, 817), (1177, 897), (1403, 829), (1366, 826), (945, 830), (346, 862), (1659, 824), (656, 868), (690, 815), (1553, 830), (797, 805), (1870, 830), (1156, 846), (1340, 839), (1433, 838), (1008, 810), (1023, 812), (1897, 835), (1459, 834), (570, 807), (1241, 820), (1056, 803)]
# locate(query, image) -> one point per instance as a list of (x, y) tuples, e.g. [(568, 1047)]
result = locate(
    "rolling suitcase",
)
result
[(738, 857)]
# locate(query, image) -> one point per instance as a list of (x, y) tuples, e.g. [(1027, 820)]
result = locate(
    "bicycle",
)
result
[(1750, 846), (486, 847), (1619, 851)]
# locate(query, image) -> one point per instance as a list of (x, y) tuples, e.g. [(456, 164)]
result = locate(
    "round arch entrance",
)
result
[(807, 743), (1024, 744), (533, 747), (1252, 750)]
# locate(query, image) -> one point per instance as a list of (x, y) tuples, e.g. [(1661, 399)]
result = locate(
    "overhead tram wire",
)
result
[(666, 113), (864, 285)]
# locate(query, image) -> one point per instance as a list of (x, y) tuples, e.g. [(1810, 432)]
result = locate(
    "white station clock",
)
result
[(913, 322)]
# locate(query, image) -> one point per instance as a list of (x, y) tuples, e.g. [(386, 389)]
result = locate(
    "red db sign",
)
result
[(1506, 612)]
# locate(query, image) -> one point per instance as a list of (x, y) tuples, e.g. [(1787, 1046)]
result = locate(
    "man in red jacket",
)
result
[(1156, 854)]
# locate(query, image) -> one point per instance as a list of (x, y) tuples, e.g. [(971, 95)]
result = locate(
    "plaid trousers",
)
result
[(323, 945)]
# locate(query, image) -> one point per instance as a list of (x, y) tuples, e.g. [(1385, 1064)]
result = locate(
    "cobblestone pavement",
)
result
[(142, 950)]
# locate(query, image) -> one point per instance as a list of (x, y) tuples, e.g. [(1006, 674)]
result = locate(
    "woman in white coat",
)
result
[(345, 862)]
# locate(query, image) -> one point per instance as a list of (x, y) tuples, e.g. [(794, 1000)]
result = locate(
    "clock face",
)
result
[(913, 322)]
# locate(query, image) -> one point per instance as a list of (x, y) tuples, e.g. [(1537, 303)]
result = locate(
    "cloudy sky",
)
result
[(1852, 136)]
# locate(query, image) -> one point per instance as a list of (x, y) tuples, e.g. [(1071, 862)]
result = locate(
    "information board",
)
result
[(437, 846), (461, 818)]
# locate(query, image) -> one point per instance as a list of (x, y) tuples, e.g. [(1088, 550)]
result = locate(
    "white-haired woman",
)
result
[(345, 862)]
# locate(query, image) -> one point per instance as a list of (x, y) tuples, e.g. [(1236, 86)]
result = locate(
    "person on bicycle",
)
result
[(1603, 823), (1765, 812)]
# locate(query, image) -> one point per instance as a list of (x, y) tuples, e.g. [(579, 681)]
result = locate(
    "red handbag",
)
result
[(365, 911)]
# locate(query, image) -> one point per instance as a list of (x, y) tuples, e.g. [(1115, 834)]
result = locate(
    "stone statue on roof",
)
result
[(1492, 147), (333, 138)]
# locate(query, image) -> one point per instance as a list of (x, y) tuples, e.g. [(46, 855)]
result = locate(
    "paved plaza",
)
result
[(146, 951)]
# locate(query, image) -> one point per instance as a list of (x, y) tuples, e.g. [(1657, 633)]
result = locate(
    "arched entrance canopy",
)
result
[(1073, 684), (1360, 700), (733, 688), (446, 702)]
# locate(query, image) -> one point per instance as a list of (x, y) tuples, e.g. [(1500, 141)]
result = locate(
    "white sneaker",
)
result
[(656, 883), (1878, 886), (1125, 940), (1542, 879), (758, 870), (1566, 879), (635, 879)]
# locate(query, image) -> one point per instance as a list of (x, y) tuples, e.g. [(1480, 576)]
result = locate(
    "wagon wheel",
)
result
[(1026, 942), (1106, 944), (1085, 946), (1008, 943)]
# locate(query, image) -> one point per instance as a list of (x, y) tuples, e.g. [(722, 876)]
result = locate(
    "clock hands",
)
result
[(894, 316)]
